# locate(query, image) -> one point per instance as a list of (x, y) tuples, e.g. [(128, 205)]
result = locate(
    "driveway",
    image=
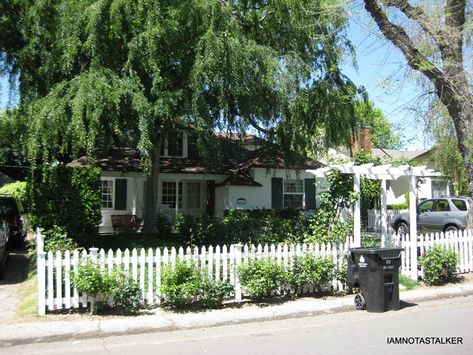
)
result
[(16, 273)]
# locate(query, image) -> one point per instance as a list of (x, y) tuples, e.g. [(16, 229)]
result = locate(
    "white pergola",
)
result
[(383, 173)]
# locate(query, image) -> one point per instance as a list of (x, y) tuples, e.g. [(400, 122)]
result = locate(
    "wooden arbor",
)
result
[(383, 173)]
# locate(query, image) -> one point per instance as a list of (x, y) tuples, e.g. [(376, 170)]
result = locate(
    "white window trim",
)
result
[(183, 195), (184, 192), (293, 193), (112, 193)]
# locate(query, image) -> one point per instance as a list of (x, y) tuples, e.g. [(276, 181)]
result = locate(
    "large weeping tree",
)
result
[(94, 72), (435, 38)]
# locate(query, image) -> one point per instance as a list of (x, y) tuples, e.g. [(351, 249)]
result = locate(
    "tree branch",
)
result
[(417, 14), (399, 37)]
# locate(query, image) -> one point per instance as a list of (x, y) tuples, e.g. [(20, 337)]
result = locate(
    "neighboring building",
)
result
[(248, 176)]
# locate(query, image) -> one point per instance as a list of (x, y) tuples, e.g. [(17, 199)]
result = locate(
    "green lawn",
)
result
[(134, 240)]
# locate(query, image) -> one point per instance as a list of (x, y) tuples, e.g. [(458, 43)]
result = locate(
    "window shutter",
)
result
[(309, 188), (276, 192), (121, 194)]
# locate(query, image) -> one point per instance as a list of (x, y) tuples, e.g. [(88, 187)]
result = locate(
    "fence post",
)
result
[(238, 253), (39, 241), (41, 271)]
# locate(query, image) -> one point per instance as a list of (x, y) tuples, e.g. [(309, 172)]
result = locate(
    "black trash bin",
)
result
[(376, 272)]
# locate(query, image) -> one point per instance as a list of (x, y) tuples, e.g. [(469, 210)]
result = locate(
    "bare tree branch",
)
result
[(399, 37)]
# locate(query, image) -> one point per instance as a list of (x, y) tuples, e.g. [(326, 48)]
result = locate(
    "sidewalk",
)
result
[(50, 330)]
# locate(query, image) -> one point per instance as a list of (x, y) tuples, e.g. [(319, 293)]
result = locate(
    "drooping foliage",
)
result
[(97, 72)]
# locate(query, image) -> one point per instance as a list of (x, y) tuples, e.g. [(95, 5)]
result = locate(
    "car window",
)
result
[(426, 206), (460, 204), (441, 206)]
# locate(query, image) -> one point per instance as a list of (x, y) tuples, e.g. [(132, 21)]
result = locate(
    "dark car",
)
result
[(3, 246), (441, 214), (11, 211)]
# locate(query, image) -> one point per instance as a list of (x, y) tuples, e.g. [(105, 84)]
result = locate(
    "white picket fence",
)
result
[(55, 291), (461, 242)]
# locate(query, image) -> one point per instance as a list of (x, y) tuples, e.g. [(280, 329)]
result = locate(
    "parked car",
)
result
[(4, 232), (441, 214), (11, 210)]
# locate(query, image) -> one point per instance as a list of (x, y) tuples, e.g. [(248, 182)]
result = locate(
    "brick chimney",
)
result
[(361, 139)]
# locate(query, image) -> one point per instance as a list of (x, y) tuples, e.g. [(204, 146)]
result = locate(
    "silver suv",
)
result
[(440, 214)]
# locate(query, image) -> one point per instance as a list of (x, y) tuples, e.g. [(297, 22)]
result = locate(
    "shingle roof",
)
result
[(398, 154), (235, 161)]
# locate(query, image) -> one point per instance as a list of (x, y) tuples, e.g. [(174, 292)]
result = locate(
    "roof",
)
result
[(235, 160), (399, 154)]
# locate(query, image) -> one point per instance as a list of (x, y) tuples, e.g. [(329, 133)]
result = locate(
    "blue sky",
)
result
[(382, 70), (377, 61)]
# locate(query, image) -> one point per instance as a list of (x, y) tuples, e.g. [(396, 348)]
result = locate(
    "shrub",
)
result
[(67, 197), (127, 294), (93, 281), (308, 270), (439, 265), (261, 277), (56, 239), (184, 284)]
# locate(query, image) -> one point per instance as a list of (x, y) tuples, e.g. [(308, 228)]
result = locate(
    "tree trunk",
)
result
[(450, 81), (152, 189)]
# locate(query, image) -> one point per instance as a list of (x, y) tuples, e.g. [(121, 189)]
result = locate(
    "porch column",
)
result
[(384, 214), (357, 213), (413, 225)]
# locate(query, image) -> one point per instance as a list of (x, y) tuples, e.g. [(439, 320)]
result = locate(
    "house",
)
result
[(247, 176), (427, 187)]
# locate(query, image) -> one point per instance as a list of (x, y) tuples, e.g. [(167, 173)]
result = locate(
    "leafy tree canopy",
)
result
[(91, 70)]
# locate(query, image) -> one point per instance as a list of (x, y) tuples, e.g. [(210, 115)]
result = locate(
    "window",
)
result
[(106, 189), (460, 204), (193, 195), (293, 194), (441, 206), (426, 206), (168, 195), (173, 145)]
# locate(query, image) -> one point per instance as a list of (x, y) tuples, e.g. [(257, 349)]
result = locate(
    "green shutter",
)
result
[(276, 192), (309, 188), (121, 194)]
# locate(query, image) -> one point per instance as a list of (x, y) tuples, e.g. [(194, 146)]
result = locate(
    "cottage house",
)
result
[(247, 176)]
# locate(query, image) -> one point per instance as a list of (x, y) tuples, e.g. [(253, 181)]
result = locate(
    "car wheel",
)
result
[(402, 229), (360, 302), (451, 228)]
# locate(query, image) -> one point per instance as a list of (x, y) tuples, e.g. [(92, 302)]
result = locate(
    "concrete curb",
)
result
[(47, 331)]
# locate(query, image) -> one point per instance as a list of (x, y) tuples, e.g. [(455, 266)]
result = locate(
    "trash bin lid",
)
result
[(384, 253)]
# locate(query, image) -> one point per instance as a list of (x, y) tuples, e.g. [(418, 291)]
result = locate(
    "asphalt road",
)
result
[(426, 325)]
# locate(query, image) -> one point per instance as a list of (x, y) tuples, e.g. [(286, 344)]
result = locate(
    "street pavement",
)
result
[(437, 326), (53, 328)]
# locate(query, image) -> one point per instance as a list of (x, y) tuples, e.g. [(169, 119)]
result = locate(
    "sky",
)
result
[(377, 61), (382, 71)]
